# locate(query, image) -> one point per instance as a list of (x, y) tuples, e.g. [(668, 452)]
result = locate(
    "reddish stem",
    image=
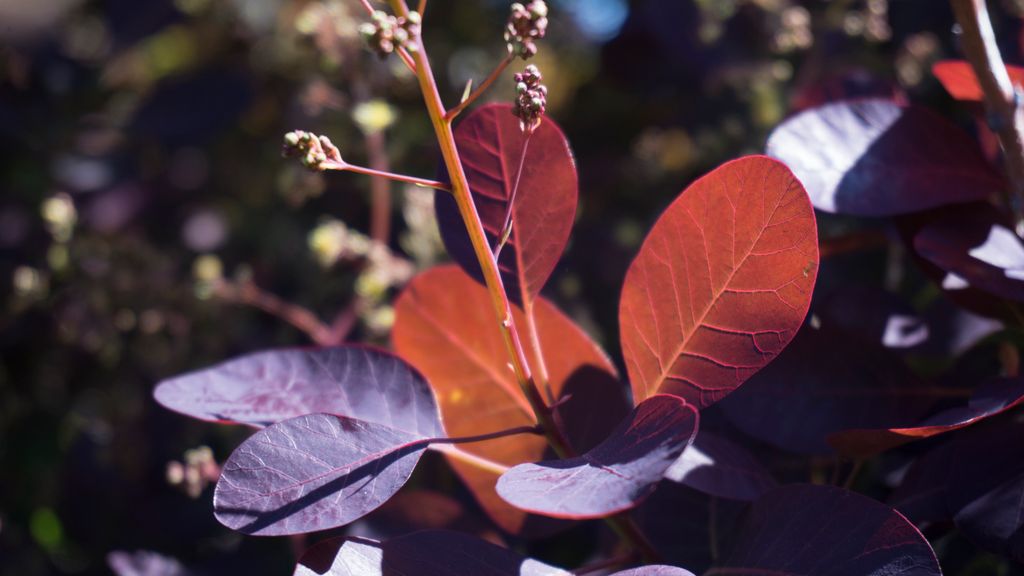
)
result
[(495, 74), (346, 167)]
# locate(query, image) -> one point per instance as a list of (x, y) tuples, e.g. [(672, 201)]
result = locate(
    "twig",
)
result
[(346, 167), (1002, 98), (495, 74), (252, 295)]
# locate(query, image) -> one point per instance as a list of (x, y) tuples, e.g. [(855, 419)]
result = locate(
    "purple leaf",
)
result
[(687, 527), (921, 494), (490, 146), (874, 157), (718, 467), (654, 570), (313, 472), (266, 387), (616, 475), (989, 399), (877, 316), (976, 247), (826, 382), (144, 563), (806, 530), (985, 490), (426, 553)]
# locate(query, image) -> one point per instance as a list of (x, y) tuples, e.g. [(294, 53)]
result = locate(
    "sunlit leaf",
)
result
[(721, 284)]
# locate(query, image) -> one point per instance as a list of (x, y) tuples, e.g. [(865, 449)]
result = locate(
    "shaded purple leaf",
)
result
[(921, 494), (808, 530), (823, 383), (686, 526), (874, 157), (490, 146), (412, 510), (654, 570), (976, 247), (313, 472), (426, 553), (988, 399), (994, 522), (614, 476), (144, 563), (877, 316), (719, 467), (986, 484), (266, 387)]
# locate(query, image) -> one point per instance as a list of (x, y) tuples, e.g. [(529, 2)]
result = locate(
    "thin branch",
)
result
[(380, 192), (410, 63), (369, 7), (506, 228), (346, 167), (470, 458), (422, 8), (252, 295), (1002, 98), (495, 74), (489, 436)]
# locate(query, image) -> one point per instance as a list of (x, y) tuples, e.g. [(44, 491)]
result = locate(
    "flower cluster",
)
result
[(311, 149), (531, 98), (387, 32), (525, 25)]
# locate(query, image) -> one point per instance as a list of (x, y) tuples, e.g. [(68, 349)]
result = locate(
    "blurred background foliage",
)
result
[(146, 214)]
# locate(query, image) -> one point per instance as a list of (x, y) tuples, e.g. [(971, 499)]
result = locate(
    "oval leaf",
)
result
[(445, 325), (616, 475), (874, 157), (266, 387), (313, 472), (717, 466), (805, 530), (989, 399), (721, 284), (958, 78), (426, 553), (976, 247), (490, 145), (826, 382), (655, 570)]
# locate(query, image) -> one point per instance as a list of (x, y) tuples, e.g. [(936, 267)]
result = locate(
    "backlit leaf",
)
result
[(446, 327), (874, 157), (313, 472), (721, 284), (807, 530), (426, 553), (655, 570), (616, 475), (958, 78), (989, 399), (266, 387), (491, 146)]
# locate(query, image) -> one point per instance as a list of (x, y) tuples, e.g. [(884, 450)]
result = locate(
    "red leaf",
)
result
[(717, 466), (988, 400), (876, 158), (805, 530), (491, 146), (616, 475), (313, 472), (445, 325), (266, 387), (721, 284), (976, 247), (958, 78), (426, 553)]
